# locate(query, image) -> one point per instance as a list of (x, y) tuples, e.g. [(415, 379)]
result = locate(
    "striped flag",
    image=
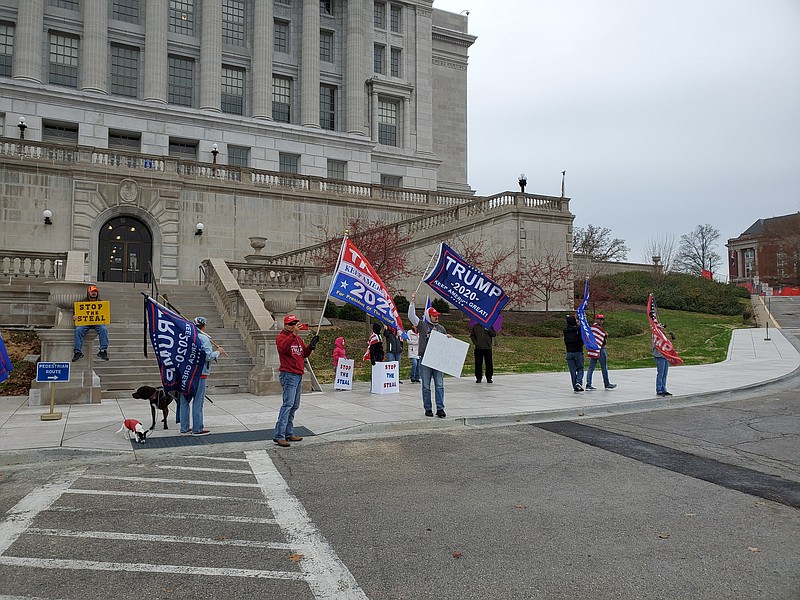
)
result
[(660, 339), (586, 331)]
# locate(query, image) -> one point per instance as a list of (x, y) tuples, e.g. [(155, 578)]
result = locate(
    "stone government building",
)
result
[(172, 140)]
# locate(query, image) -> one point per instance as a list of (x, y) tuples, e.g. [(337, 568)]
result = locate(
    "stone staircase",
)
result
[(128, 367)]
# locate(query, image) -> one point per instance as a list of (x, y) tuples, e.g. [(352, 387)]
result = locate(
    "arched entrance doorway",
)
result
[(125, 251)]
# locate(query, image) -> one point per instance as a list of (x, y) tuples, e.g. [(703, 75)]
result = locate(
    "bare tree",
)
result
[(598, 243), (663, 246), (697, 251), (545, 276)]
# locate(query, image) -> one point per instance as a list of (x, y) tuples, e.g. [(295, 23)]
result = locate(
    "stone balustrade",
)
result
[(16, 266)]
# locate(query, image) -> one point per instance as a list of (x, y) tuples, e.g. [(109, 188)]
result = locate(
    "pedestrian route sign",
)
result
[(52, 372)]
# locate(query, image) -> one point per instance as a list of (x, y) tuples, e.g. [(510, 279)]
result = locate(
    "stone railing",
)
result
[(133, 162), (15, 266)]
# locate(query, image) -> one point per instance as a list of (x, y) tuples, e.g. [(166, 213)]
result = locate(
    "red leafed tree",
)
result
[(381, 243), (497, 262), (544, 277)]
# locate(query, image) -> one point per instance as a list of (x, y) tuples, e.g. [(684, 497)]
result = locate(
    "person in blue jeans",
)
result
[(662, 367), (574, 344), (292, 353), (425, 329), (413, 353), (92, 295), (200, 394), (600, 355)]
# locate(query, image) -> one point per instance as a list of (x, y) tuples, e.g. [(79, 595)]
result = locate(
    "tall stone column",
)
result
[(309, 65), (423, 90), (155, 51), (405, 123), (211, 56), (262, 60), (28, 42), (94, 46), (374, 123), (357, 56)]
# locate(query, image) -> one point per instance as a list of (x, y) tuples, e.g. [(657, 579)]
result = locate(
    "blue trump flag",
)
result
[(177, 346), (586, 330), (5, 362), (466, 287)]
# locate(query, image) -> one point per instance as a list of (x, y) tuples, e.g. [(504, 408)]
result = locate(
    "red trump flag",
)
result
[(660, 339)]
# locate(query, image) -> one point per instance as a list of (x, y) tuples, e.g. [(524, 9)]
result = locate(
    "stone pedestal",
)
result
[(264, 377), (83, 386)]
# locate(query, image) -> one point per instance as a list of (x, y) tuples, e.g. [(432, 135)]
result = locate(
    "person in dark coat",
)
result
[(574, 344), (482, 338)]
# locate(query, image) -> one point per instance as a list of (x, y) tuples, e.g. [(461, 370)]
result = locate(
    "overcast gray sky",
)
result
[(665, 114)]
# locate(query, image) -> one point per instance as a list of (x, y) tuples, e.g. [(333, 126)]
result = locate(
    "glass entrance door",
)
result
[(125, 251)]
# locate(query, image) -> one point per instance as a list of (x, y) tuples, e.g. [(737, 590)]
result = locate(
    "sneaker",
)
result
[(441, 414), (488, 381), (294, 438), (428, 413), (590, 387), (103, 354), (282, 443), (186, 432), (578, 387), (611, 386), (666, 394), (204, 432), (477, 381), (77, 356)]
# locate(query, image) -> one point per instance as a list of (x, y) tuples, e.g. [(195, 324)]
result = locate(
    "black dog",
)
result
[(158, 398)]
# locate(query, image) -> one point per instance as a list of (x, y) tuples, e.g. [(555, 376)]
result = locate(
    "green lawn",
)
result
[(700, 339)]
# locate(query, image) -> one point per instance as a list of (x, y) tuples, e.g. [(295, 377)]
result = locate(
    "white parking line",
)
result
[(21, 515), (205, 470), (154, 495), (170, 516), (167, 480), (327, 576)]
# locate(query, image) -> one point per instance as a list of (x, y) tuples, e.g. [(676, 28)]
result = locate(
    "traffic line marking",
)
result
[(206, 470), (167, 480), (187, 516), (158, 495)]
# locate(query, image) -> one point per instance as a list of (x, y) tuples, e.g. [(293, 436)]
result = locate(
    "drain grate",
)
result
[(182, 441)]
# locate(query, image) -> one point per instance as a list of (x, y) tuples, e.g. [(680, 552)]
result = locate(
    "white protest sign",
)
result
[(445, 354), (386, 378), (344, 374)]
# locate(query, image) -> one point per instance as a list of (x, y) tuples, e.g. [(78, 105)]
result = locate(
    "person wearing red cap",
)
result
[(292, 353), (425, 327), (600, 336), (92, 295)]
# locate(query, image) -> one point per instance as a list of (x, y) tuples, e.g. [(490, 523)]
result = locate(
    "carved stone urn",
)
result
[(257, 243), (280, 302), (64, 295)]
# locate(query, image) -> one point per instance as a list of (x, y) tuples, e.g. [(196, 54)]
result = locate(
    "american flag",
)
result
[(660, 339)]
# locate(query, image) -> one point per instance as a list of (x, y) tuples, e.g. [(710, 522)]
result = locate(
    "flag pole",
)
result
[(419, 285), (333, 279)]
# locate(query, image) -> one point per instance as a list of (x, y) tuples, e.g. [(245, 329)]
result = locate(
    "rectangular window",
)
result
[(395, 18), (180, 82), (183, 149), (379, 15), (70, 4), (326, 46), (233, 20), (337, 169), (289, 163), (60, 133), (63, 60), (281, 42), (181, 16), (125, 10), (396, 62), (124, 71), (327, 107), (387, 122), (749, 262), (282, 99), (124, 142), (238, 156), (379, 58), (391, 181), (326, 7), (232, 91), (6, 49)]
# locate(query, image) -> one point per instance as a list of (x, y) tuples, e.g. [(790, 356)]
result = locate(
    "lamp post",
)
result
[(523, 181), (214, 152), (199, 229), (22, 128), (47, 214)]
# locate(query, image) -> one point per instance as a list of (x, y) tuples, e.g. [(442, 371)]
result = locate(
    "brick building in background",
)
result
[(766, 257)]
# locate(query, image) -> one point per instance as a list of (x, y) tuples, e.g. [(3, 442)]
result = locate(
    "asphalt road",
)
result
[(696, 502)]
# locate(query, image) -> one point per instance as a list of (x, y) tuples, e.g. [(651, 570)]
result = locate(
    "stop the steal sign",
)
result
[(93, 313)]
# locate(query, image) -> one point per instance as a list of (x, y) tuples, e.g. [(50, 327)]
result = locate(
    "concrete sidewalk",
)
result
[(751, 361)]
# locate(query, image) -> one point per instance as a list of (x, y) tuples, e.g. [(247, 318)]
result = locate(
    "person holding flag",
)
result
[(595, 355), (198, 398), (430, 323), (292, 353), (664, 352)]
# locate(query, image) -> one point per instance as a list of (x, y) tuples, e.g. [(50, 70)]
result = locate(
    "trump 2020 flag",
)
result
[(660, 339), (177, 346), (586, 330), (466, 287), (357, 283), (5, 362)]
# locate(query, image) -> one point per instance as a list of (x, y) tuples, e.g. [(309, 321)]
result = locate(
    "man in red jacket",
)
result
[(292, 353)]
